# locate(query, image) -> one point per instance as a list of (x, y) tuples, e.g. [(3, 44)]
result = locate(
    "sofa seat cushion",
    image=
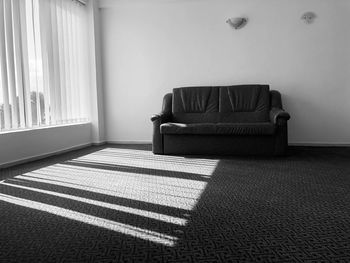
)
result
[(262, 128)]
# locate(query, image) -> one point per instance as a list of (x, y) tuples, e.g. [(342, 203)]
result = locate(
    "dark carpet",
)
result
[(124, 204)]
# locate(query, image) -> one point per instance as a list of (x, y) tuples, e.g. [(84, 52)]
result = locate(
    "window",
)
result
[(43, 63)]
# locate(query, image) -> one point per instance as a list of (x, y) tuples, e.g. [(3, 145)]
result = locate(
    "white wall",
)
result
[(150, 47), (17, 146)]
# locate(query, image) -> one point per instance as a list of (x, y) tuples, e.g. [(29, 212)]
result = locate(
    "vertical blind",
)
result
[(43, 63)]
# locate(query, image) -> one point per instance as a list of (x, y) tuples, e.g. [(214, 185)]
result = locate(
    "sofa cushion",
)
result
[(263, 128), (244, 103), (196, 104)]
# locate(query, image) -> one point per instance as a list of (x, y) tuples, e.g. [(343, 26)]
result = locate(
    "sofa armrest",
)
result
[(279, 118), (278, 114), (162, 117), (157, 141), (157, 120)]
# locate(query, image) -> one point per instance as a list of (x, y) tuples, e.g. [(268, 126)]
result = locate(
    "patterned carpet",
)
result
[(124, 204)]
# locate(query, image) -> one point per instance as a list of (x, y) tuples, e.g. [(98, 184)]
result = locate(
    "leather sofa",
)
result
[(225, 120)]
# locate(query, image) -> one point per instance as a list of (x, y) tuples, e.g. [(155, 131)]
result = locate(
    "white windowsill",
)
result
[(44, 127)]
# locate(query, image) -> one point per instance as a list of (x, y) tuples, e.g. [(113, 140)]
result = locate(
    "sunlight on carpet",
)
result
[(136, 175), (92, 220), (130, 210)]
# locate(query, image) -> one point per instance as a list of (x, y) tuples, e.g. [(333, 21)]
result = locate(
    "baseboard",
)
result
[(78, 147), (319, 144), (315, 144), (98, 143), (42, 156), (130, 142)]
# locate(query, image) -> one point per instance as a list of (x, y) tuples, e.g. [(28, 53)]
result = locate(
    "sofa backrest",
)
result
[(241, 103), (244, 103)]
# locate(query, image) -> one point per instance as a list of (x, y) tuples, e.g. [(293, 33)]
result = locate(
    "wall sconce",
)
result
[(308, 17), (237, 22)]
